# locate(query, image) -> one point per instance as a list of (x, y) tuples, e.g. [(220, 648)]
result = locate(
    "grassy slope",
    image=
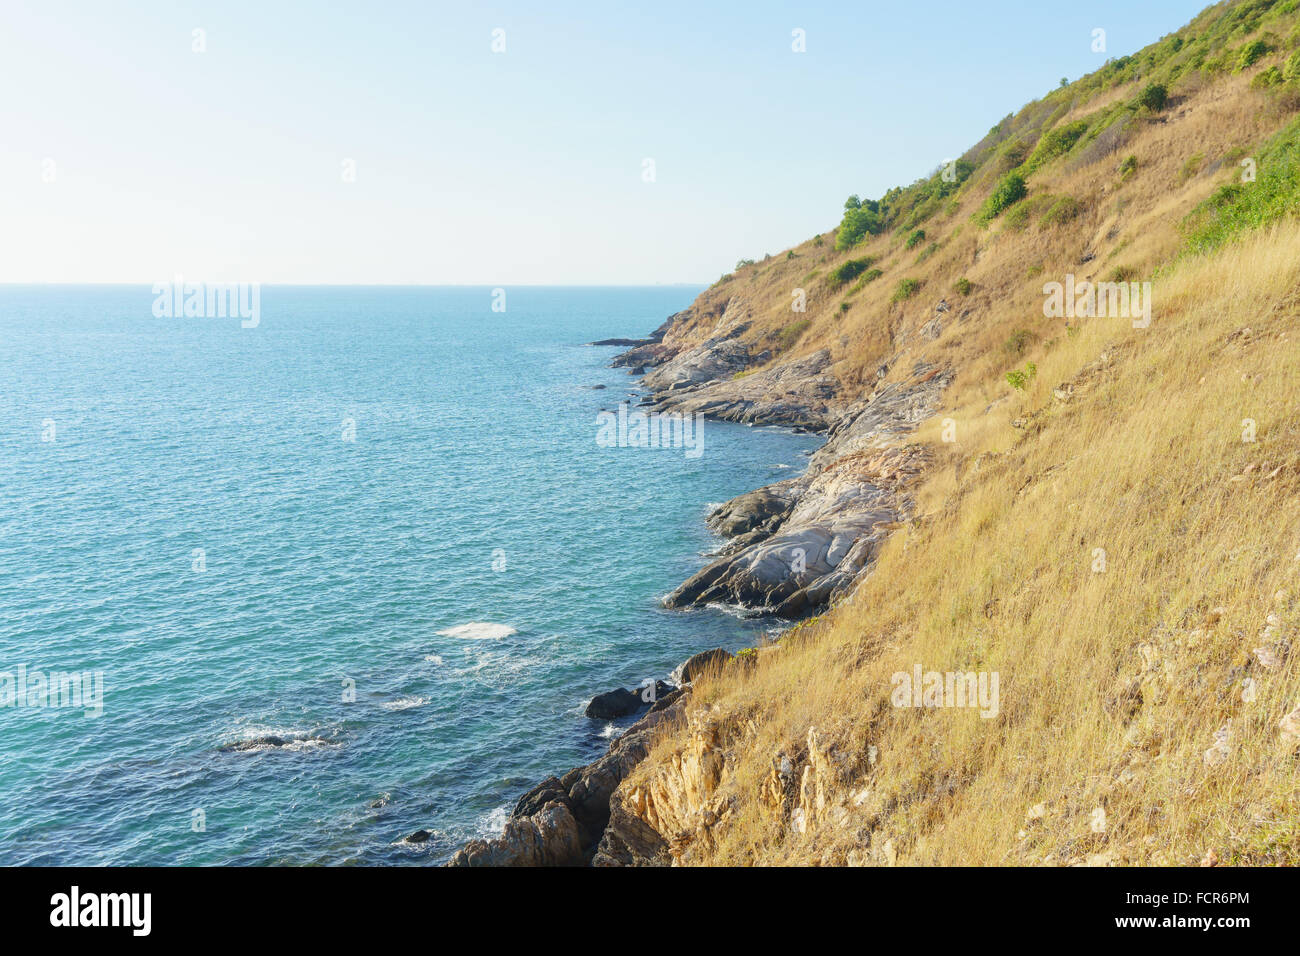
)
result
[(1113, 684)]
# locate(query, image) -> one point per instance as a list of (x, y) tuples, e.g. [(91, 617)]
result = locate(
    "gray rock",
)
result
[(560, 822), (696, 664), (802, 543), (612, 704)]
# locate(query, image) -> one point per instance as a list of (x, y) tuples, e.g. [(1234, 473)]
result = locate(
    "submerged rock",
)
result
[(624, 343), (254, 743)]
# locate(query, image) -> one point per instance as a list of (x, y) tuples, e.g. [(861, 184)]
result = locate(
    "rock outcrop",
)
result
[(669, 816), (800, 393), (621, 702), (794, 546), (696, 664), (562, 820), (723, 378), (801, 543)]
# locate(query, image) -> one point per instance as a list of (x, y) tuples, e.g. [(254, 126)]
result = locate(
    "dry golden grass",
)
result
[(1112, 683), (1131, 223), (1145, 461)]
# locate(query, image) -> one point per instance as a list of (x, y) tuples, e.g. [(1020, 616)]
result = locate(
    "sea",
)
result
[(288, 591)]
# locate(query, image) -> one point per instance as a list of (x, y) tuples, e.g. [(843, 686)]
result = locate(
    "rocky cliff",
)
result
[(1092, 507)]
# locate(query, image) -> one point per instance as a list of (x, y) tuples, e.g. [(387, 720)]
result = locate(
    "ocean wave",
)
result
[(495, 668), (261, 739), (479, 631), (493, 825), (404, 703), (735, 610)]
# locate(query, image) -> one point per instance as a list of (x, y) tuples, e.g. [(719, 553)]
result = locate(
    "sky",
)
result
[(389, 143)]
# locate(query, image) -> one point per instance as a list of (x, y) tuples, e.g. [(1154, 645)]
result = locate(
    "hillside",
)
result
[(1094, 507)]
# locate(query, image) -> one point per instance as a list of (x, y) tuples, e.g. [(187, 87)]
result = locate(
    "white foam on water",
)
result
[(494, 824), (434, 659), (734, 610), (404, 703), (294, 740), (479, 631), (495, 668), (306, 743)]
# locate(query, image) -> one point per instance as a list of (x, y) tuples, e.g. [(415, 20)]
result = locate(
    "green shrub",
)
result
[(871, 275), (1017, 219), (1153, 99), (1238, 207), (1250, 55), (850, 271), (1054, 143), (1292, 69), (1019, 380), (915, 239), (858, 224), (1064, 210), (1012, 155), (906, 289), (1128, 167), (1009, 190), (1266, 78)]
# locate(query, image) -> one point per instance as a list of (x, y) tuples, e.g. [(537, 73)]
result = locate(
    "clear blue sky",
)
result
[(523, 167)]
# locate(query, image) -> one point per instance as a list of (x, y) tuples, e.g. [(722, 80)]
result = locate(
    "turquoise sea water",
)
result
[(181, 511)]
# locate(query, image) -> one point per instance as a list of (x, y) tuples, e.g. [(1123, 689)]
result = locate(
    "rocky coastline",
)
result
[(565, 821), (795, 547)]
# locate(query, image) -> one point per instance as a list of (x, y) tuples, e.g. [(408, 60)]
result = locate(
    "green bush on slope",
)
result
[(1240, 206), (1009, 191)]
